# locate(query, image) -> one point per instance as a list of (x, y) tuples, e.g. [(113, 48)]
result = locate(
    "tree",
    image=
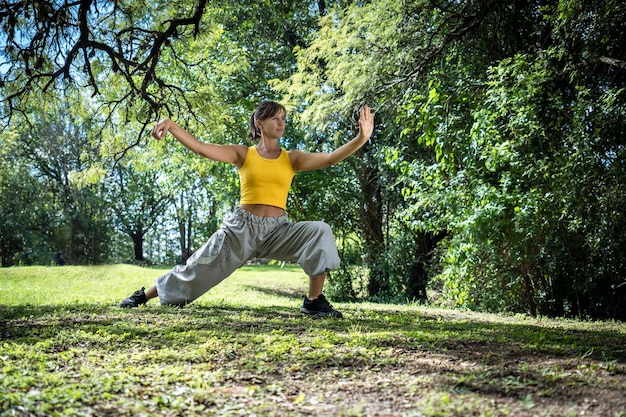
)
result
[(130, 62), (337, 73), (24, 219), (138, 201), (499, 149), (55, 150), (49, 45)]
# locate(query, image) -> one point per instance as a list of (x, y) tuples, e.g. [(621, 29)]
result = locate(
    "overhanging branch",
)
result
[(45, 44)]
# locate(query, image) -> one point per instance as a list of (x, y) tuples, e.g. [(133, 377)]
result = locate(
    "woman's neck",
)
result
[(268, 147)]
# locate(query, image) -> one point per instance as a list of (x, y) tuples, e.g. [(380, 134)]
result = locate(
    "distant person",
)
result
[(60, 259), (258, 227)]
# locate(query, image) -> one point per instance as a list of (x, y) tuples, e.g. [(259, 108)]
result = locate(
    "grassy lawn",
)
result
[(243, 349)]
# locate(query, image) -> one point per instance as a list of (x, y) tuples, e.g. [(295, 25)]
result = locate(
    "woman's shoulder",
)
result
[(295, 155), (240, 149), (241, 152)]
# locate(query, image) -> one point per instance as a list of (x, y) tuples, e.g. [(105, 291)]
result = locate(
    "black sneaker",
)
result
[(135, 300), (319, 307)]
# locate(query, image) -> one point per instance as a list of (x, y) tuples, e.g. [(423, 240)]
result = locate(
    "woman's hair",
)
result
[(264, 110)]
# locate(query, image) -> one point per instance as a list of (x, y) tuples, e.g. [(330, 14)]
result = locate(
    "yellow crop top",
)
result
[(265, 181)]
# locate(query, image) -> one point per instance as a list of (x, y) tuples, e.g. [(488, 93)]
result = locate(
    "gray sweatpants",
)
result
[(244, 236)]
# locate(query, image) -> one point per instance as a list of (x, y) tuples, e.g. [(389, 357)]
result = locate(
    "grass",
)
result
[(244, 350)]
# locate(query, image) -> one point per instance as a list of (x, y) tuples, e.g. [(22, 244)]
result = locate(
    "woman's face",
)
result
[(273, 126)]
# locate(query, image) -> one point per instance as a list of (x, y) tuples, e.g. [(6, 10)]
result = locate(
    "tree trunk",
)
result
[(372, 226), (185, 227), (182, 233), (137, 238), (425, 245)]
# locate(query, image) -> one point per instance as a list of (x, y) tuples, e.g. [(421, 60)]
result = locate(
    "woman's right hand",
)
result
[(161, 128)]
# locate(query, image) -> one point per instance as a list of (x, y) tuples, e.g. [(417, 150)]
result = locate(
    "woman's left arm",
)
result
[(306, 161)]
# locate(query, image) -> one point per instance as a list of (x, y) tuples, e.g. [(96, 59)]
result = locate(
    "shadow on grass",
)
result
[(282, 293), (270, 345), (409, 331)]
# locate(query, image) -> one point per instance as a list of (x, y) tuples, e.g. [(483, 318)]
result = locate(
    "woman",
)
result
[(258, 227)]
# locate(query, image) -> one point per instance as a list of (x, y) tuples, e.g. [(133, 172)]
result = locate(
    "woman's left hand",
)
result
[(366, 123)]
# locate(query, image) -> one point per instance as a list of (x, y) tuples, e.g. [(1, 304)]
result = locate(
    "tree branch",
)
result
[(57, 42), (612, 62)]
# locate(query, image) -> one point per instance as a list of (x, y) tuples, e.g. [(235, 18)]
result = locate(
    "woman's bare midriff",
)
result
[(262, 210)]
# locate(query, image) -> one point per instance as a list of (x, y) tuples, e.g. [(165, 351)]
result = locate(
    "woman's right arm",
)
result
[(232, 154)]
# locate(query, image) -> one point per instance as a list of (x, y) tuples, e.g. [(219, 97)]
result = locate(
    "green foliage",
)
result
[(208, 82), (507, 142), (24, 225), (539, 183), (495, 173), (51, 154)]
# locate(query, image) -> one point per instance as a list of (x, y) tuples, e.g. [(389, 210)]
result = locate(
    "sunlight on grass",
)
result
[(250, 285), (70, 284), (257, 286)]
